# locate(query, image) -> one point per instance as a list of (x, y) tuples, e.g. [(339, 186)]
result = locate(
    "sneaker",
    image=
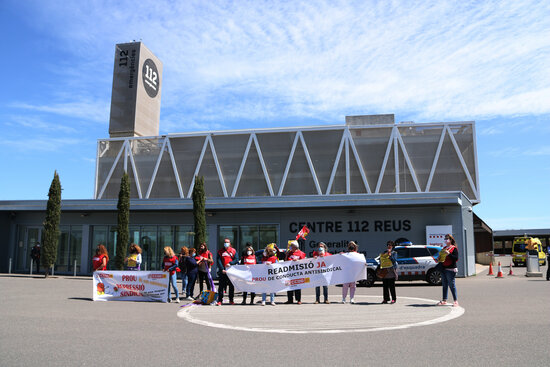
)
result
[(299, 302), (272, 303), (384, 302), (327, 302), (344, 300), (251, 301), (218, 304), (178, 300), (316, 302), (190, 298), (352, 301), (288, 302), (263, 303), (169, 300), (441, 303), (243, 302), (455, 304), (392, 301)]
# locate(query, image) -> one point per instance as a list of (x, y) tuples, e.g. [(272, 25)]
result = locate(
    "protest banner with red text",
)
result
[(130, 286)]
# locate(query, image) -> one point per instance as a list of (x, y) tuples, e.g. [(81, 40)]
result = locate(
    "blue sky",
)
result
[(246, 64)]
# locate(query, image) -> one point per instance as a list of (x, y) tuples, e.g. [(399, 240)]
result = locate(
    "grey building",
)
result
[(369, 180)]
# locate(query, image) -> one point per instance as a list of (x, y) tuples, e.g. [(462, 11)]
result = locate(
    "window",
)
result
[(257, 235), (401, 253), (419, 252)]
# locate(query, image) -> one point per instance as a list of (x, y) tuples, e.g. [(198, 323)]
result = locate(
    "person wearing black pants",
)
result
[(227, 256), (294, 254), (388, 266), (192, 271)]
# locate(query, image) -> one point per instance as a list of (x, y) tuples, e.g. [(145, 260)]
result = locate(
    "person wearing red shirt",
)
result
[(322, 251), (101, 258), (204, 261), (248, 258), (171, 265), (294, 254), (227, 256), (269, 258)]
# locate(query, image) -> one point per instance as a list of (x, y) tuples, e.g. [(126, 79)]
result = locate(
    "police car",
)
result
[(415, 262)]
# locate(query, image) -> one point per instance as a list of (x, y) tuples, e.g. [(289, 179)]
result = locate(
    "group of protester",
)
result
[(195, 264)]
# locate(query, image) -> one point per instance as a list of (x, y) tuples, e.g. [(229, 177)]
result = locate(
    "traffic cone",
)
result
[(490, 268), (511, 271), (499, 273)]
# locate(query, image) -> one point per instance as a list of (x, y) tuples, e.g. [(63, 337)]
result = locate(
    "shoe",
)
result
[(243, 302), (344, 301), (251, 301), (392, 301), (316, 302), (272, 303), (441, 303), (218, 304), (352, 301), (263, 303), (384, 302), (299, 302), (288, 302), (178, 300), (169, 300), (455, 304), (231, 303), (190, 298), (327, 302)]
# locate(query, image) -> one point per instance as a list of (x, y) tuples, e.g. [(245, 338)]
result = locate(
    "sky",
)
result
[(248, 64)]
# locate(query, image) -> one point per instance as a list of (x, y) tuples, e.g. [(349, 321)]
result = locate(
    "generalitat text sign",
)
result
[(306, 273), (130, 286)]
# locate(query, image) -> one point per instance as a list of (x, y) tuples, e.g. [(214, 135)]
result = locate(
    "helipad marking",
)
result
[(185, 313)]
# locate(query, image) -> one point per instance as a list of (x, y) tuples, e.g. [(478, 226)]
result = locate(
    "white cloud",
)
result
[(44, 144), (253, 59), (38, 123), (87, 110)]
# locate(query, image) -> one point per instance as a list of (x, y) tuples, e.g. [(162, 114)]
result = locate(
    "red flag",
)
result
[(303, 233)]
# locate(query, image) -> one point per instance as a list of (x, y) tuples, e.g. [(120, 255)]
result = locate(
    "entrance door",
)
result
[(31, 237)]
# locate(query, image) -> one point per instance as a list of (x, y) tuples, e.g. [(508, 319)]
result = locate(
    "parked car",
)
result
[(414, 262)]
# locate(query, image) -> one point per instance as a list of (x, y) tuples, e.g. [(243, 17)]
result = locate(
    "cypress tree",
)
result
[(123, 232), (50, 236), (199, 214)]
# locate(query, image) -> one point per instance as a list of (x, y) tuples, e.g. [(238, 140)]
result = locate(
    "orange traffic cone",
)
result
[(499, 273), (511, 271), (490, 268)]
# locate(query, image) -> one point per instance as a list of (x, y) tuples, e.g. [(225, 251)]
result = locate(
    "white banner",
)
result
[(306, 273), (130, 286)]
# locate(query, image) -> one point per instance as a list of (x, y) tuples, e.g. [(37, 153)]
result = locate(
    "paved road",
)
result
[(54, 322)]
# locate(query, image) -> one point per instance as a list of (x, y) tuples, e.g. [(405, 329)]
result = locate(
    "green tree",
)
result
[(199, 214), (123, 232), (50, 236)]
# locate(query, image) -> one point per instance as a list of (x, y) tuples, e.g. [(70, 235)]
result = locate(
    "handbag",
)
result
[(381, 273)]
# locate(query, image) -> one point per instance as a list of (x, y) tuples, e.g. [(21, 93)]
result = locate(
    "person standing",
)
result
[(294, 254), (35, 256), (191, 269), (100, 259), (171, 263), (388, 266), (184, 254), (269, 257), (227, 256), (322, 251), (352, 247), (133, 262), (204, 260), (448, 257), (248, 258)]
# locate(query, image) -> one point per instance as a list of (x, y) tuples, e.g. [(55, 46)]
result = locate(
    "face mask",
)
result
[(265, 254), (321, 250), (249, 253), (226, 244)]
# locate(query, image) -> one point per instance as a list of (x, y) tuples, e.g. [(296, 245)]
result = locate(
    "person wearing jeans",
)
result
[(184, 253), (170, 262), (447, 259), (269, 258), (322, 251)]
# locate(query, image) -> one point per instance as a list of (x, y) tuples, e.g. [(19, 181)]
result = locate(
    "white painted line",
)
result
[(454, 312)]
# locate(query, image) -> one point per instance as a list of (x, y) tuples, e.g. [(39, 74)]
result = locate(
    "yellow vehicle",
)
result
[(524, 244)]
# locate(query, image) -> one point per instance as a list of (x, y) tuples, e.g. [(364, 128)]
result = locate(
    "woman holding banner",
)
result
[(294, 254), (248, 258), (269, 258), (352, 247), (387, 272), (171, 263), (101, 258), (322, 251)]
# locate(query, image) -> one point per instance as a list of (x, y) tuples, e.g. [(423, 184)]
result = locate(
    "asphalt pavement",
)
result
[(501, 322)]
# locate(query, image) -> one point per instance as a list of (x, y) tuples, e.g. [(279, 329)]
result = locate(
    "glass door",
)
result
[(31, 237)]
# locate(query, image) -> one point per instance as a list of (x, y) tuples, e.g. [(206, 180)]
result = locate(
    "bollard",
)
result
[(145, 266), (52, 270), (74, 267), (9, 267), (32, 264)]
